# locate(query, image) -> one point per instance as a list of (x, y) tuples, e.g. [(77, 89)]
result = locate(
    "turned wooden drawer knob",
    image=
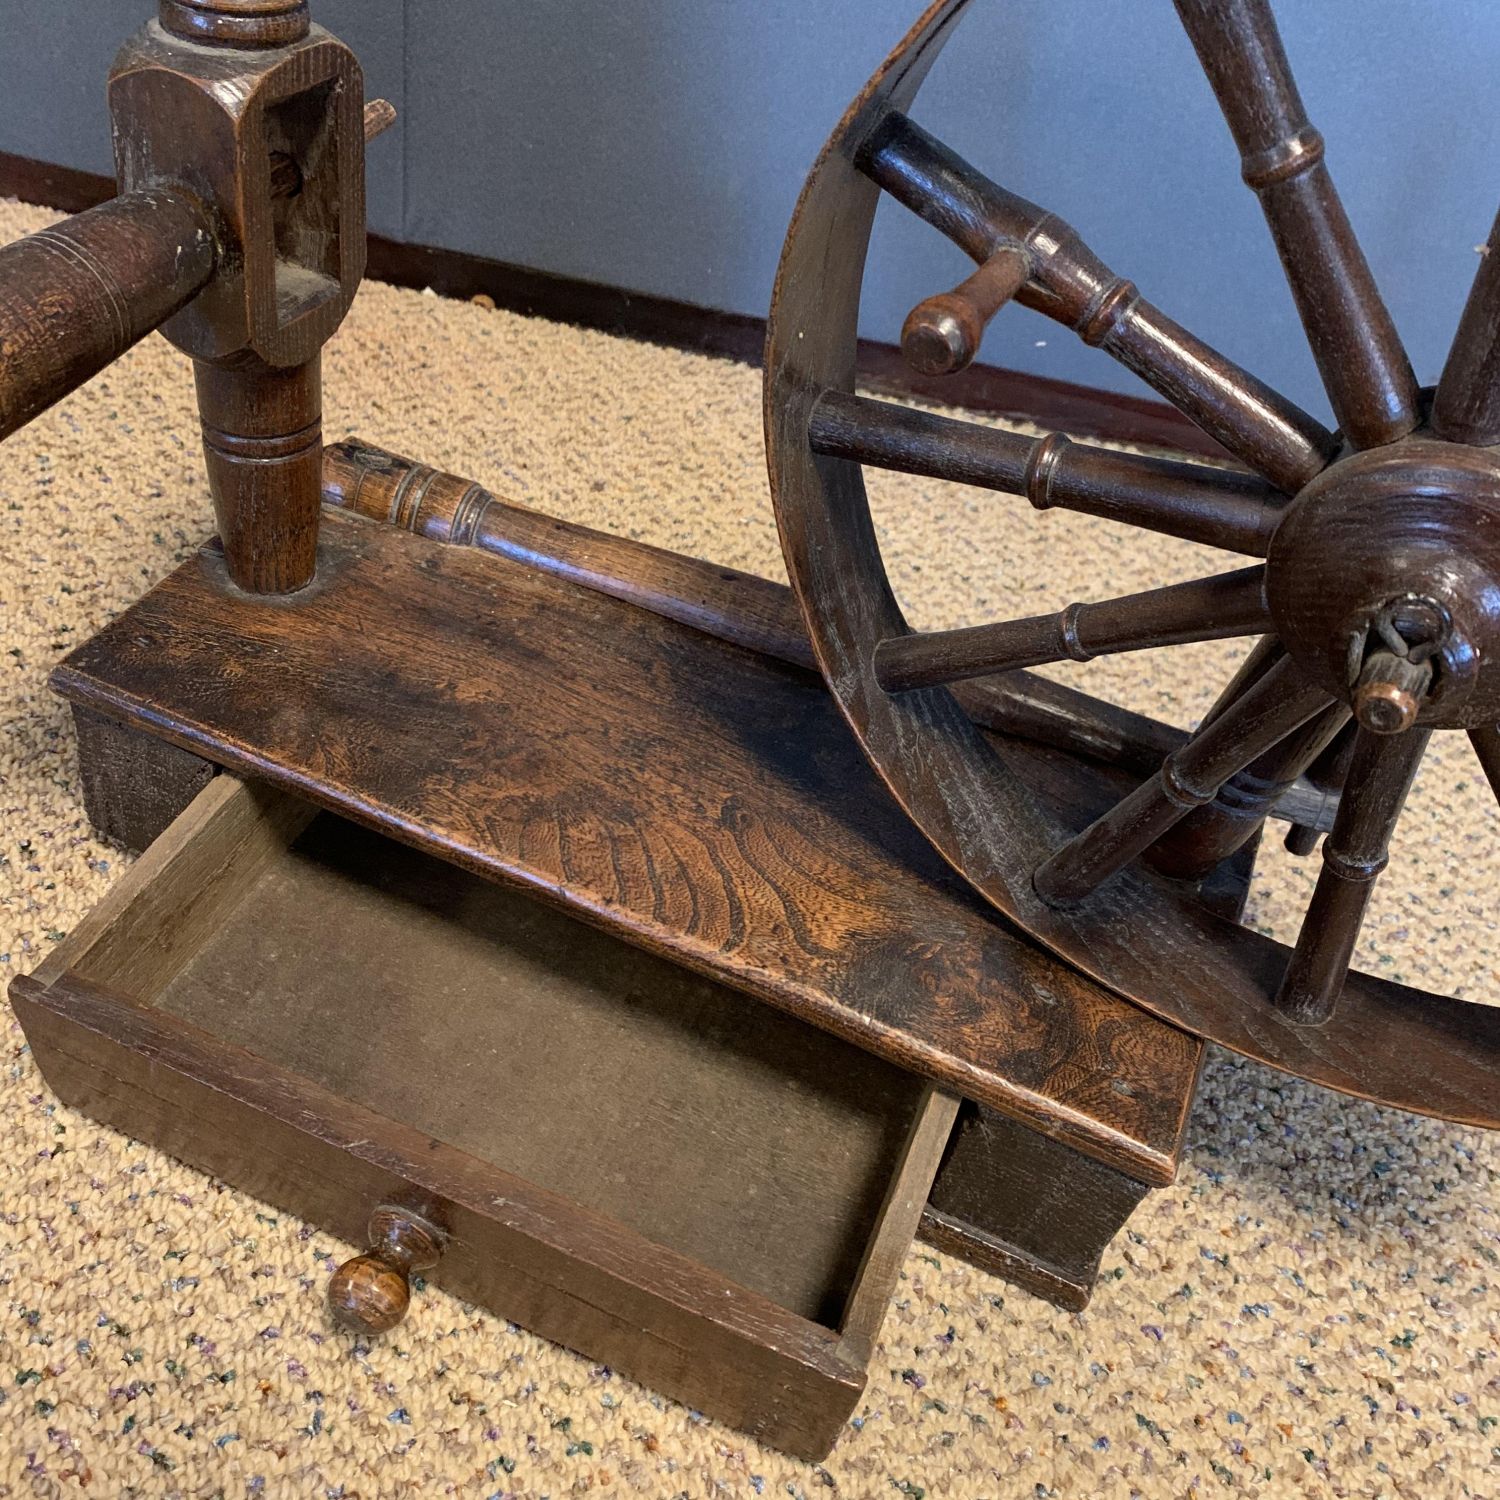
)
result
[(941, 336), (372, 1292)]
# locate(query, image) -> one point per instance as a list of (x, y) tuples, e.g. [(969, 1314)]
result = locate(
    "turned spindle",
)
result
[(372, 1292)]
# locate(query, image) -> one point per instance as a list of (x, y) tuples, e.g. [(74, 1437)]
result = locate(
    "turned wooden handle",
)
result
[(75, 297), (371, 1292), (941, 336)]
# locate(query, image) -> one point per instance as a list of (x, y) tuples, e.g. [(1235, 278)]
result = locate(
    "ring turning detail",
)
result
[(1372, 598)]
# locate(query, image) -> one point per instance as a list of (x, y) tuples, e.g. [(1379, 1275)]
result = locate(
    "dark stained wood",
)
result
[(1466, 408), (1486, 743), (1205, 609), (1365, 370), (1223, 508), (1397, 545), (265, 120), (1144, 936), (1070, 283), (724, 602), (941, 335), (133, 784), (1026, 1208), (1268, 711), (75, 297), (263, 444), (987, 1239), (546, 734), (1208, 836), (1085, 411), (237, 23), (734, 1240), (1354, 855)]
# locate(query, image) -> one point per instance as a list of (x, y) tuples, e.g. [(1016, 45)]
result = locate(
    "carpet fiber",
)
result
[(1311, 1310)]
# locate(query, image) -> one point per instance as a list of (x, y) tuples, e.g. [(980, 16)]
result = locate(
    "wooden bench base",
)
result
[(685, 794)]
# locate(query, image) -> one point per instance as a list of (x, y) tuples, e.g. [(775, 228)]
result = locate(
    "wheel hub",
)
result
[(1383, 579)]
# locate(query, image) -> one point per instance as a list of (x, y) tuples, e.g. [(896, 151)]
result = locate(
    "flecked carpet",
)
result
[(1312, 1310)]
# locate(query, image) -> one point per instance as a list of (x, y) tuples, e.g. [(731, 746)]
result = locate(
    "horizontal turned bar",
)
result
[(1070, 283), (1365, 370), (729, 604), (1269, 710), (1218, 507), (1205, 609), (76, 296)]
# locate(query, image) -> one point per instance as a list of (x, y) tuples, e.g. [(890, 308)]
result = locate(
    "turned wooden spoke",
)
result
[(1070, 283), (1209, 835), (1365, 370), (1206, 609), (1466, 408), (1486, 743), (1380, 775), (1219, 507), (1272, 708)]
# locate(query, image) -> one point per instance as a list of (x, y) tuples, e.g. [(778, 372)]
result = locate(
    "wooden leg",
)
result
[(1025, 1207), (133, 784)]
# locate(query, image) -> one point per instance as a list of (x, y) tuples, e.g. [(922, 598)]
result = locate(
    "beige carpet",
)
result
[(1312, 1310)]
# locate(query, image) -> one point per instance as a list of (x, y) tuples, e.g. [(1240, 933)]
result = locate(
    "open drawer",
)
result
[(634, 1161)]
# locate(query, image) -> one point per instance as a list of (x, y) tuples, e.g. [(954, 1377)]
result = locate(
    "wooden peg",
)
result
[(371, 1292), (1390, 691), (941, 336)]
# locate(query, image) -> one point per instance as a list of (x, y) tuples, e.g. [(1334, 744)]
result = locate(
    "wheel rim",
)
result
[(988, 802)]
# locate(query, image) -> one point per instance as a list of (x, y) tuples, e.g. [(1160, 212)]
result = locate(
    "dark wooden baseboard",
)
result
[(989, 389)]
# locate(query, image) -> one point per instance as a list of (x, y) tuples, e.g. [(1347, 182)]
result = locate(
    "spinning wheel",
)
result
[(1374, 594)]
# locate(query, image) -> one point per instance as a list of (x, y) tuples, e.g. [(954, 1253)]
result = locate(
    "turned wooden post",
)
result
[(261, 113)]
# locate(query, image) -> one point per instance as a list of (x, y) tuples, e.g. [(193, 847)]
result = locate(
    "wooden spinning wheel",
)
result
[(1375, 590)]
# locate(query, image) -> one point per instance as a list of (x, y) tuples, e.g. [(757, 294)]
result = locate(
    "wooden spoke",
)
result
[(1207, 609), (1486, 743), (1070, 283), (1219, 507), (1263, 715), (1466, 408), (1365, 370), (1380, 775), (1209, 835)]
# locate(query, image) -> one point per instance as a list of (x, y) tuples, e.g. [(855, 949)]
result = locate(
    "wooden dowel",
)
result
[(1218, 507), (263, 442), (1466, 408), (1205, 609), (1274, 707), (1209, 835), (1486, 743), (1365, 370), (75, 297), (1354, 855), (1070, 283)]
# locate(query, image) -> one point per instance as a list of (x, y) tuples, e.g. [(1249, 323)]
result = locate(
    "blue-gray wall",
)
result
[(661, 146)]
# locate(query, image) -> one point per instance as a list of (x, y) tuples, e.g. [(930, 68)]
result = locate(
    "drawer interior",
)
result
[(706, 1121)]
